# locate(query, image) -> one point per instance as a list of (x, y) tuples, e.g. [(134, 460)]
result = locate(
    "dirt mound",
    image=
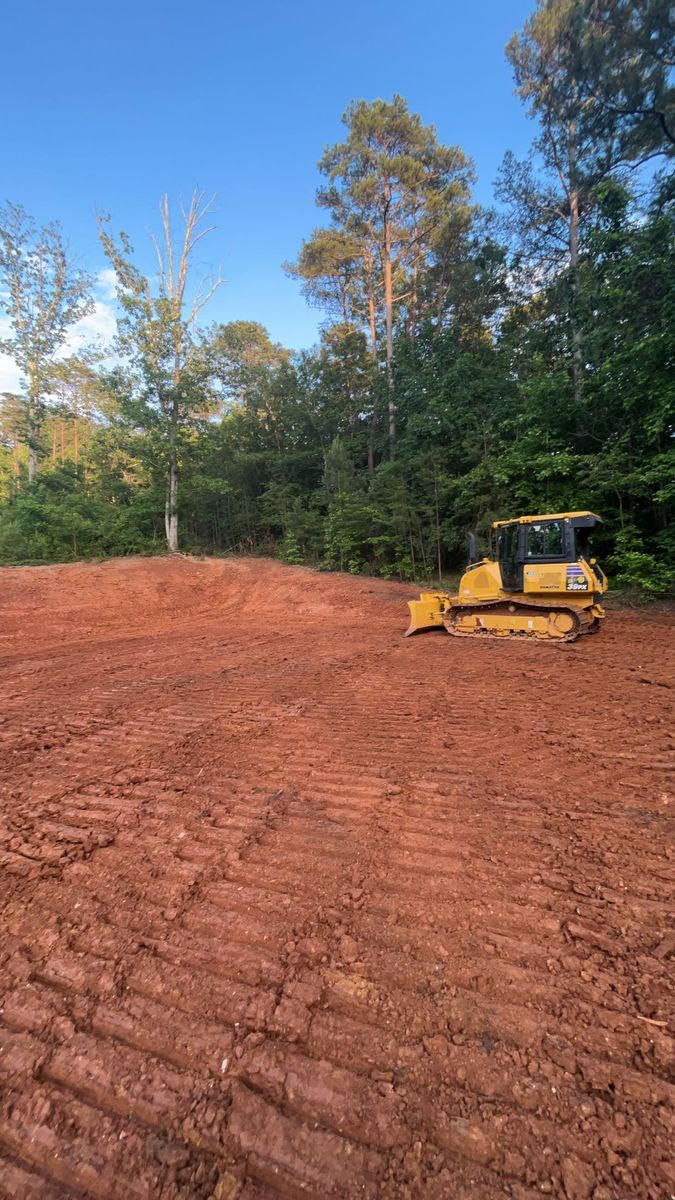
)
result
[(295, 907), (148, 593)]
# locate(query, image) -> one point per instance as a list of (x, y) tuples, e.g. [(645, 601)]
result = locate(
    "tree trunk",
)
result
[(76, 432), (440, 303), (33, 422), (172, 411), (33, 454), (577, 356), (371, 325), (438, 531), (32, 462), (413, 297), (373, 354), (171, 505), (389, 323)]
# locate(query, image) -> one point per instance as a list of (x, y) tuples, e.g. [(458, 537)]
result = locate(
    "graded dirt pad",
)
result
[(294, 907)]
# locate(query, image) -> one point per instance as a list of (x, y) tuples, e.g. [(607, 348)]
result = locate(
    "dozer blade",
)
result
[(426, 613)]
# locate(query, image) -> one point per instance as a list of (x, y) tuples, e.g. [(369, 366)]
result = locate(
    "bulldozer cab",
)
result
[(553, 538)]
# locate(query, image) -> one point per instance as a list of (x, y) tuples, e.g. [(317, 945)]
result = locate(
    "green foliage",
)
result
[(348, 528), (487, 427), (634, 569), (289, 550), (622, 53), (43, 294), (460, 381), (57, 518), (169, 365)]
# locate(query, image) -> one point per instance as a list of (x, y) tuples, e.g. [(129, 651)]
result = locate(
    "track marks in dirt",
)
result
[(326, 913)]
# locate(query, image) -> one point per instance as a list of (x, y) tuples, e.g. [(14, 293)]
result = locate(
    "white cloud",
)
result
[(10, 376), (106, 282), (97, 328)]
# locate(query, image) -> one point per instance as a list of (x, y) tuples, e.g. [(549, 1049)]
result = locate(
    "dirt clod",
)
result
[(578, 1178)]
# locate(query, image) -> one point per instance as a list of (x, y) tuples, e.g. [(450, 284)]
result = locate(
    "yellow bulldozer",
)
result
[(542, 583)]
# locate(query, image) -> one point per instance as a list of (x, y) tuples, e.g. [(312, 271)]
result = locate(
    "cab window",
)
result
[(508, 543), (545, 540)]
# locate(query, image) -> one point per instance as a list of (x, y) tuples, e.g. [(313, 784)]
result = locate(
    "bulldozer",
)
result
[(541, 583)]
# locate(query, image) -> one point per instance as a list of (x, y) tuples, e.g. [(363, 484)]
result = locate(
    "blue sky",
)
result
[(108, 106)]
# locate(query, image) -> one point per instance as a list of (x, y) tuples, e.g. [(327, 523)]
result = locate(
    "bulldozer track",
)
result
[(580, 626), (327, 914)]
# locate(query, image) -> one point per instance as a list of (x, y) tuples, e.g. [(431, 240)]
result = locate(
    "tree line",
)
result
[(473, 364)]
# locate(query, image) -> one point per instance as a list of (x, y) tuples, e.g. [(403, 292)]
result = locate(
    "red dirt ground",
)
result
[(294, 907)]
